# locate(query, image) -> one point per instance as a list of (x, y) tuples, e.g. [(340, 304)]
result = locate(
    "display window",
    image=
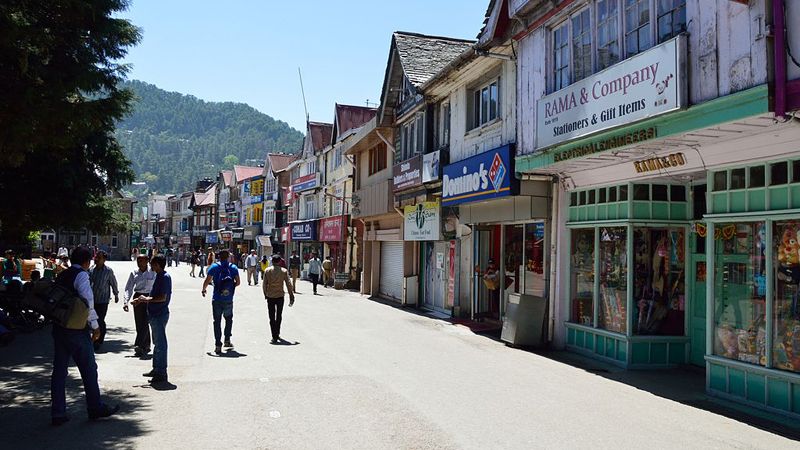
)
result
[(534, 259), (659, 281), (786, 311), (740, 292), (582, 276), (613, 280)]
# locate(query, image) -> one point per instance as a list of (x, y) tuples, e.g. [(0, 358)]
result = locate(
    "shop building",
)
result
[(203, 206), (273, 216), (223, 195), (677, 216), (243, 205)]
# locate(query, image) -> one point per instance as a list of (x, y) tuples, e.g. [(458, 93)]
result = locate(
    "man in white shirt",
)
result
[(77, 345), (139, 284), (251, 264)]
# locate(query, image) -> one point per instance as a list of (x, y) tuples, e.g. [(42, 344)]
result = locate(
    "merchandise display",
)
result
[(740, 293), (786, 337), (582, 276), (659, 287), (613, 280)]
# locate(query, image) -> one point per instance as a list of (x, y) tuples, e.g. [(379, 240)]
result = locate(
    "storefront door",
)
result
[(435, 275), (488, 251), (698, 317)]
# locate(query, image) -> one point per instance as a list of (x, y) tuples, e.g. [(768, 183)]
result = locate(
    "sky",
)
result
[(249, 50)]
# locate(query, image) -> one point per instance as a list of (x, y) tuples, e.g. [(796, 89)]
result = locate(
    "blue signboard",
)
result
[(212, 238), (303, 231), (482, 177)]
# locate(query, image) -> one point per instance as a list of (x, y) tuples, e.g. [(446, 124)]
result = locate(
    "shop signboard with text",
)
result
[(407, 174), (305, 183), (646, 85), (303, 231), (333, 229), (422, 222), (482, 177)]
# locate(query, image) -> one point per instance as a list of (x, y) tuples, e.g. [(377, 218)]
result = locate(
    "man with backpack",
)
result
[(76, 344), (226, 278)]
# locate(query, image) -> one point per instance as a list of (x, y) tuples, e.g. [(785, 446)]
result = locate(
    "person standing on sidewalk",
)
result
[(77, 344), (194, 261), (327, 267), (295, 263), (201, 258), (314, 270), (251, 265), (158, 313), (226, 277), (103, 283), (275, 277), (140, 283)]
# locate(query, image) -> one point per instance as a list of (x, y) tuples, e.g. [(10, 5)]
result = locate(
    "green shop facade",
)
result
[(681, 245)]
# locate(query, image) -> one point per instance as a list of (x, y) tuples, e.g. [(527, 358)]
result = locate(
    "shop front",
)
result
[(334, 236), (305, 238), (423, 224), (507, 240)]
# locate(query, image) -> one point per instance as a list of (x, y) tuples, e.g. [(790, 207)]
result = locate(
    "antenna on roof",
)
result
[(370, 104), (303, 90)]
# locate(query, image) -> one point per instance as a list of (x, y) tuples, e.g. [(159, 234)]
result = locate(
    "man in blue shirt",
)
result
[(225, 277), (158, 312)]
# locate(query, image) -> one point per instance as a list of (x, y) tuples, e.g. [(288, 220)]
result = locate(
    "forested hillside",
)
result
[(174, 139)]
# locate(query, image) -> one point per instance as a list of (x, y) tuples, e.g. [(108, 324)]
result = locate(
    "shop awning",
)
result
[(264, 241)]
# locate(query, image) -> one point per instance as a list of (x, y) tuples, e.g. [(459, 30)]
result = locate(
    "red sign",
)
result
[(451, 276), (331, 229)]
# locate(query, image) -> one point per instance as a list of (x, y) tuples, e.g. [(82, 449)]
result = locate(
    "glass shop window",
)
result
[(786, 310), (573, 199), (756, 177), (796, 171), (641, 192), (659, 286), (613, 280), (582, 276), (612, 194), (720, 181), (737, 178), (779, 173), (623, 193), (740, 286), (534, 259), (660, 193)]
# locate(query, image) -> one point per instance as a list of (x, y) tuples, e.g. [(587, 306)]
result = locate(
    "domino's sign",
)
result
[(482, 177)]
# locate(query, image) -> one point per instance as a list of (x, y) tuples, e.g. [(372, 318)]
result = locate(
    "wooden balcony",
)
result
[(373, 200)]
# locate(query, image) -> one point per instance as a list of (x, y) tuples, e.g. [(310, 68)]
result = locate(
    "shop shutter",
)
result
[(391, 282)]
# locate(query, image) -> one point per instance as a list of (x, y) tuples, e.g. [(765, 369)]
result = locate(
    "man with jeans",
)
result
[(314, 270), (77, 345), (158, 312), (274, 279), (140, 283), (251, 264), (103, 283), (225, 277)]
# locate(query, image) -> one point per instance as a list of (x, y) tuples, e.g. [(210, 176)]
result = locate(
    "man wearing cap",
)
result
[(140, 283), (275, 277)]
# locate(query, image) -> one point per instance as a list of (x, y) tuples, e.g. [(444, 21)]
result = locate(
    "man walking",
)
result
[(327, 267), (103, 283), (251, 265), (201, 258), (158, 313), (226, 277), (314, 270), (295, 263), (275, 277), (193, 259), (140, 283), (77, 344)]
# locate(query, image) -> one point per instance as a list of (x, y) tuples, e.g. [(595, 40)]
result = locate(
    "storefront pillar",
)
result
[(629, 290), (596, 294), (475, 276), (710, 303), (770, 305)]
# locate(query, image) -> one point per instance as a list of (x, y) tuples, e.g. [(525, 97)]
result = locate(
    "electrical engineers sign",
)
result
[(482, 177), (422, 222), (646, 85)]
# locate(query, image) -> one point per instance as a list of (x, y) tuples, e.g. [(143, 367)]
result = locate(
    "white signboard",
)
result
[(646, 85), (430, 167), (422, 222)]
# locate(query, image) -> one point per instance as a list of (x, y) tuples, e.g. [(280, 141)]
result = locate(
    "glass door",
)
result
[(487, 273)]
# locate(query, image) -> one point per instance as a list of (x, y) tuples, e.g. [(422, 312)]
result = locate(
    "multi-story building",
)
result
[(276, 184), (666, 129), (224, 205), (243, 230), (204, 208)]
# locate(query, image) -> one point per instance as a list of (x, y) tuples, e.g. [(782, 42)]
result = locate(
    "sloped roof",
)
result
[(206, 198), (242, 173), (226, 177), (280, 161), (422, 56), (350, 117), (320, 134)]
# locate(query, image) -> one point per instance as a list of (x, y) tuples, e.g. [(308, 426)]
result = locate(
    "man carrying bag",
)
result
[(77, 344)]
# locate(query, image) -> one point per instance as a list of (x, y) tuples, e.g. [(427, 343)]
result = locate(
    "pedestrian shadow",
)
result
[(227, 354), (159, 386), (25, 369), (285, 342)]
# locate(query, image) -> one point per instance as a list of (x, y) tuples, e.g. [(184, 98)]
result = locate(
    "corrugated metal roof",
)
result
[(349, 117), (226, 177), (280, 161), (320, 134), (244, 172), (423, 56)]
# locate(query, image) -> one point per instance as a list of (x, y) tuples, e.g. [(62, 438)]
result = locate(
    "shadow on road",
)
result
[(25, 369), (227, 354), (285, 342)]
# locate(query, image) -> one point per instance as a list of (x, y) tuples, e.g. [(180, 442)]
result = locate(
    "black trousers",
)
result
[(142, 325), (314, 280), (101, 309), (275, 311)]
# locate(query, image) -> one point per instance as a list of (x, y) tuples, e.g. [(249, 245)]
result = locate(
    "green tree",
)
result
[(59, 104), (230, 161)]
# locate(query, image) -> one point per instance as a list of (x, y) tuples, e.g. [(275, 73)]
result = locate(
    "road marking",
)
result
[(264, 380), (275, 414)]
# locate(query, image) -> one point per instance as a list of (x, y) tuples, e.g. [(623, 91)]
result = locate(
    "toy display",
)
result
[(786, 339), (582, 276), (659, 281), (613, 280)]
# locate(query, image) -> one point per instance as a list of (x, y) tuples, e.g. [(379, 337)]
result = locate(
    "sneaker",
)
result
[(228, 343), (58, 421), (105, 411), (152, 373), (218, 349)]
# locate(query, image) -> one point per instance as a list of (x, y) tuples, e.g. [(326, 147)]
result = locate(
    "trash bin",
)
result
[(524, 320)]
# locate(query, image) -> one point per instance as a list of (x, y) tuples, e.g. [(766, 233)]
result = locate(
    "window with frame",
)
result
[(637, 26), (608, 52), (377, 158), (412, 136), (114, 240), (671, 18), (310, 203), (94, 239), (337, 157), (485, 103), (561, 58), (269, 216), (444, 124), (581, 45), (270, 185)]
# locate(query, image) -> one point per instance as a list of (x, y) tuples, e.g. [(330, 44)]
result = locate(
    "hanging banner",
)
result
[(646, 85), (422, 222)]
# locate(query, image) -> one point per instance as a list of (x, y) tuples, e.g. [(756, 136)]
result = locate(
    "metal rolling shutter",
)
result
[(391, 283)]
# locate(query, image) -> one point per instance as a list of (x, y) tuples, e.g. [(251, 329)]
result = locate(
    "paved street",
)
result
[(360, 375)]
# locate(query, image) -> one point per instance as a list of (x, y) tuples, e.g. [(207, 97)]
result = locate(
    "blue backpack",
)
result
[(224, 283)]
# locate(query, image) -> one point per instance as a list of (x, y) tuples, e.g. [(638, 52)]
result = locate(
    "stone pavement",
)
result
[(359, 374)]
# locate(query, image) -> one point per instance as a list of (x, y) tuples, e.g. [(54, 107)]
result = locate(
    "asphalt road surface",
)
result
[(359, 374)]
